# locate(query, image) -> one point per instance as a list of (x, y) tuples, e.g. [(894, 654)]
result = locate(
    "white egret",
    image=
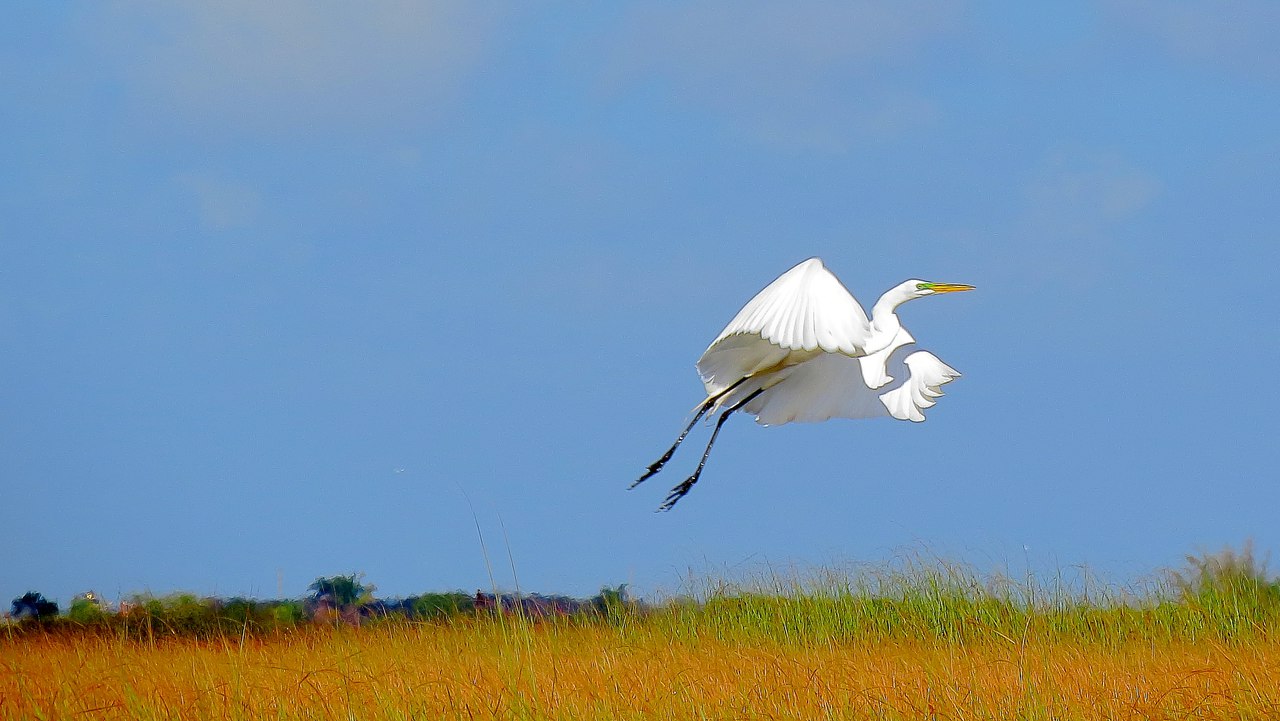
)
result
[(803, 350)]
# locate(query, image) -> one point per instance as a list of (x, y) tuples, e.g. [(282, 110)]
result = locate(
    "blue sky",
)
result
[(294, 289)]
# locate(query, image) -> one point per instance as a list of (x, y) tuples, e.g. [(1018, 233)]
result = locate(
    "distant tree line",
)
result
[(1228, 594), (329, 600)]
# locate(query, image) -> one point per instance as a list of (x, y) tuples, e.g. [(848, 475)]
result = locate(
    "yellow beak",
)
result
[(949, 287)]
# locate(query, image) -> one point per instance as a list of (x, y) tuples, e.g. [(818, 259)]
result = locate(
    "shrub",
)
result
[(32, 605), (84, 611), (432, 606)]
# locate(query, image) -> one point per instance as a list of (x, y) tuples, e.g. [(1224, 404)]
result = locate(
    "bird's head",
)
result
[(922, 288)]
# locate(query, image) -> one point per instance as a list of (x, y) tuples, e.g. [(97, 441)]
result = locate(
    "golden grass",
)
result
[(504, 668)]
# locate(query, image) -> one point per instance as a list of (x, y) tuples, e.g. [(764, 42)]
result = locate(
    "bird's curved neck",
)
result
[(884, 319)]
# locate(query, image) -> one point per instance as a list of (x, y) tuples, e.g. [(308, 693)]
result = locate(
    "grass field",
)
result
[(913, 644)]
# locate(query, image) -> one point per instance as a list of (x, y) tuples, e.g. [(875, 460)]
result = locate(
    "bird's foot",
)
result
[(651, 472), (678, 492)]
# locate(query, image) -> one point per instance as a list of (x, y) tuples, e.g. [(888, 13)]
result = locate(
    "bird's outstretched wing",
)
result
[(805, 312), (926, 376), (835, 386)]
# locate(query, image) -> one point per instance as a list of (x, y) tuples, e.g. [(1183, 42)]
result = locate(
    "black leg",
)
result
[(706, 405), (678, 492)]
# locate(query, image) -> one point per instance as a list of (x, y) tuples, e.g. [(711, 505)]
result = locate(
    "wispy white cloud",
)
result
[(802, 74), (824, 123), (221, 204), (1075, 202), (292, 64), (1085, 188), (1235, 35)]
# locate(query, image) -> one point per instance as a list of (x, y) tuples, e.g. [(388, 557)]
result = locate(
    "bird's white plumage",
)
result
[(805, 312), (875, 366), (803, 351), (835, 386), (922, 386)]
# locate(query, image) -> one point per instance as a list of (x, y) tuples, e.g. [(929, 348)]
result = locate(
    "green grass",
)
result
[(1225, 597)]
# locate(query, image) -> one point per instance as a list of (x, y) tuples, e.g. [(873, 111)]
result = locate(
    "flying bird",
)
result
[(803, 350)]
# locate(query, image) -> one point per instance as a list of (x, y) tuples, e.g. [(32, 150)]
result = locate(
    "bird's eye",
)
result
[(922, 286)]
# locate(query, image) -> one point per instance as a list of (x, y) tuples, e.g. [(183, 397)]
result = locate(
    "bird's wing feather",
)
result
[(828, 386), (804, 310), (835, 386), (729, 360), (921, 388)]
